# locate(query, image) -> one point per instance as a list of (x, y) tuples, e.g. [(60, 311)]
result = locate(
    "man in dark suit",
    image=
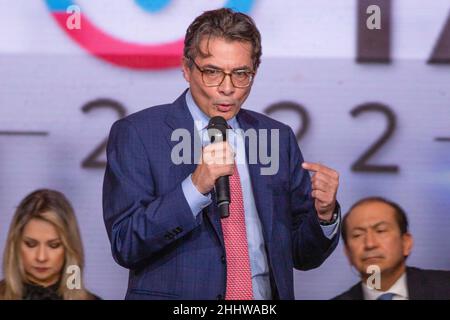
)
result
[(377, 244), (159, 202)]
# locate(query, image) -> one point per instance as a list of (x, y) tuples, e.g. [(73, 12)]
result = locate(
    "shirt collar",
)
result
[(399, 288)]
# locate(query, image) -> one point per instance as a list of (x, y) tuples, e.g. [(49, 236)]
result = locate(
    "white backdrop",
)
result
[(308, 59)]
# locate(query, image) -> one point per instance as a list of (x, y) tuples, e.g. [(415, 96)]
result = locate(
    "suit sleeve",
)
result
[(140, 223), (310, 246)]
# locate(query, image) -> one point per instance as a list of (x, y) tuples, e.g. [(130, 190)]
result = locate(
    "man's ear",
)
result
[(408, 243), (185, 69)]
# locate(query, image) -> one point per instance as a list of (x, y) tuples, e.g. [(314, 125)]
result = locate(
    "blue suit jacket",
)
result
[(421, 284), (153, 233)]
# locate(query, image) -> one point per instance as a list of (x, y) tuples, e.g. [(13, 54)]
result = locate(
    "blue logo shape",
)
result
[(152, 6)]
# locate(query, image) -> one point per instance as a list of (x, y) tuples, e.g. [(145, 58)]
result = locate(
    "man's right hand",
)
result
[(217, 160)]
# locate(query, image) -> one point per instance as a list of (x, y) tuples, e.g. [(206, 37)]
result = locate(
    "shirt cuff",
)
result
[(331, 230), (196, 201)]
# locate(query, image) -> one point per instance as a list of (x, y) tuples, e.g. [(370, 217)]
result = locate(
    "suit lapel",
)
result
[(181, 118), (260, 183), (356, 292), (416, 288)]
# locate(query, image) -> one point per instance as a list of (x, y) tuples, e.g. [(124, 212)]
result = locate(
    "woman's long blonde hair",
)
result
[(53, 207)]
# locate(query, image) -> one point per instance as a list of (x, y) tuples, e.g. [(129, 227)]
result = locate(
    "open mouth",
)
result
[(224, 107)]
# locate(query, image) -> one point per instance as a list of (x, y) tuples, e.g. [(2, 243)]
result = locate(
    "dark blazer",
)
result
[(422, 285), (153, 233)]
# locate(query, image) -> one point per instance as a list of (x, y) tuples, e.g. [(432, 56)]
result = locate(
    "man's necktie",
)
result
[(239, 275), (386, 296)]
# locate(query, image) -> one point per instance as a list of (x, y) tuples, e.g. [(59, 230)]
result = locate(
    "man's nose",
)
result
[(226, 87), (370, 241)]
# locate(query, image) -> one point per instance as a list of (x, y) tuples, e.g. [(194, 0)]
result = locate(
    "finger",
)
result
[(211, 156), (223, 145), (324, 198), (230, 148), (330, 187), (317, 167), (321, 186), (325, 178), (230, 155), (223, 158), (221, 171), (222, 152), (220, 156), (207, 157), (214, 147), (230, 170)]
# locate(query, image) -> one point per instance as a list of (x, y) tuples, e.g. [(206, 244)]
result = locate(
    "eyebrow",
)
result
[(247, 68), (372, 227), (51, 240)]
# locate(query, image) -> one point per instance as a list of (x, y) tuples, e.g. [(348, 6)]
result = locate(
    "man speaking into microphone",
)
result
[(166, 221)]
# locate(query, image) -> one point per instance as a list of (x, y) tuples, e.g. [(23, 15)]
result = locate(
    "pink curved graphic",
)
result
[(121, 53)]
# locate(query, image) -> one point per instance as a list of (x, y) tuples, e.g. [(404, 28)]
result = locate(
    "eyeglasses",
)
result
[(212, 77)]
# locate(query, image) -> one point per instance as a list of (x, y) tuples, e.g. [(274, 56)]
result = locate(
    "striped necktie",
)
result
[(239, 275)]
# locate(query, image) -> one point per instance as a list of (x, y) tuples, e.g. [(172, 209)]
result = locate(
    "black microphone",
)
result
[(217, 132)]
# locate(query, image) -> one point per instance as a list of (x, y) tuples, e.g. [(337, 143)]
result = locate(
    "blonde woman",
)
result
[(43, 254)]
